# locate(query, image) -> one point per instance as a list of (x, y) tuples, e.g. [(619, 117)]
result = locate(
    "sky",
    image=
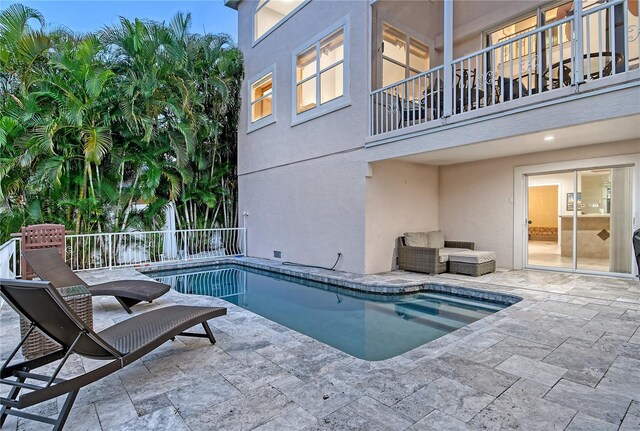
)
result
[(209, 16)]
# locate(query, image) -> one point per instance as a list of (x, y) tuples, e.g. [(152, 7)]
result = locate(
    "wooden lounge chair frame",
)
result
[(50, 266), (121, 344)]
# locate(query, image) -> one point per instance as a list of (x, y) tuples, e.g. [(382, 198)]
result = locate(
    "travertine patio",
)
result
[(566, 357)]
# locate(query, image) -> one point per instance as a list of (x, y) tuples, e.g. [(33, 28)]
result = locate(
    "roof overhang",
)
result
[(233, 4)]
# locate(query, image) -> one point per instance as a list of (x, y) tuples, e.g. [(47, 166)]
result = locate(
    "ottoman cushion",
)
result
[(444, 253), (472, 256)]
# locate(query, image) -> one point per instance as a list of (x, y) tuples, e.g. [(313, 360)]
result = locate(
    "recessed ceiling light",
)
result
[(549, 138)]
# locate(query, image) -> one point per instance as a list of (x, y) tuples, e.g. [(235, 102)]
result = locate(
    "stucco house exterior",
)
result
[(512, 124)]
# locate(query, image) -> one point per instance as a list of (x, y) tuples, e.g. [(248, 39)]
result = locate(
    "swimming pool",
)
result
[(365, 325)]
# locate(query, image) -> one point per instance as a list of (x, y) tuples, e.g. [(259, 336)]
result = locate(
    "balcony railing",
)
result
[(111, 250), (602, 42)]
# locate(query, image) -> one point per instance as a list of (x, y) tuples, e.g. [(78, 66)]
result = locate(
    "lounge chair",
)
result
[(121, 344), (50, 266)]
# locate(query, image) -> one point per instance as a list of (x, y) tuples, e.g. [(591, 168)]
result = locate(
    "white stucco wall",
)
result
[(401, 197), (303, 185), (309, 211), (345, 129), (474, 197)]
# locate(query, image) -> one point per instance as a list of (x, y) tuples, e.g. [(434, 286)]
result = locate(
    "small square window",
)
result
[(262, 100)]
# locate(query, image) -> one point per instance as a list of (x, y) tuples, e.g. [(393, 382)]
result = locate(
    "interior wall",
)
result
[(543, 206), (476, 199), (401, 197), (565, 182)]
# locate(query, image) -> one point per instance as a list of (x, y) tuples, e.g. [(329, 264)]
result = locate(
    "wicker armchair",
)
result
[(426, 259)]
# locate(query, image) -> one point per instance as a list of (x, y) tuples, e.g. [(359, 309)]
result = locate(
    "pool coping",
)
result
[(347, 280)]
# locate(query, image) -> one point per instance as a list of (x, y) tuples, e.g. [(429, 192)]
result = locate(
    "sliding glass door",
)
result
[(549, 220), (593, 225)]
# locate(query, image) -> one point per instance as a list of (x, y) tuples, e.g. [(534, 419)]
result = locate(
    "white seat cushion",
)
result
[(444, 253), (472, 256)]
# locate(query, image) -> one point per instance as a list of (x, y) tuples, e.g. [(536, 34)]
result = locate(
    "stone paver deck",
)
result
[(565, 357)]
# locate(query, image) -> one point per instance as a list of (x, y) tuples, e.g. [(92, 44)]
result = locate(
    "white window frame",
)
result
[(272, 29), (271, 118), (334, 104), (409, 34)]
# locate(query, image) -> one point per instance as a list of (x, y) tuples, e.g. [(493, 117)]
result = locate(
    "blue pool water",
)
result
[(368, 326)]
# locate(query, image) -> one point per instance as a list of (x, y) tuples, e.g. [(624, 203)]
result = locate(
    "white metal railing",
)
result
[(110, 250), (414, 100), (599, 42), (9, 259), (219, 283)]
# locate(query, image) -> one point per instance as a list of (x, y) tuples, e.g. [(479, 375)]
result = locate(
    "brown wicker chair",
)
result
[(426, 259), (120, 345), (50, 266)]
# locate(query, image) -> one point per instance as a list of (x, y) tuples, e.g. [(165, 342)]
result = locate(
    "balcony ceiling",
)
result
[(613, 130)]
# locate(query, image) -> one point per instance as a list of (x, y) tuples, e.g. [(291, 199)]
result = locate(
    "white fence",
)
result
[(596, 43), (111, 250), (9, 259)]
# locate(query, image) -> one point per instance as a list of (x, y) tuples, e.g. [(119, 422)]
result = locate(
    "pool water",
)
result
[(368, 326)]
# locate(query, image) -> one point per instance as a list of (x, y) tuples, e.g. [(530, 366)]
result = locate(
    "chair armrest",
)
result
[(426, 254), (460, 244)]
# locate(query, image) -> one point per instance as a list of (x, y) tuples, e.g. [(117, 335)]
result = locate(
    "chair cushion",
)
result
[(416, 239), (471, 256), (444, 253), (436, 239)]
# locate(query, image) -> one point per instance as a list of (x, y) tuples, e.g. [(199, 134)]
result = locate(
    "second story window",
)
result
[(270, 13), (262, 99), (402, 56), (320, 72)]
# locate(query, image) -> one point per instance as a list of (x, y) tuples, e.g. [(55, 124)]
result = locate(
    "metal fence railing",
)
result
[(111, 250), (9, 252), (592, 44), (415, 100)]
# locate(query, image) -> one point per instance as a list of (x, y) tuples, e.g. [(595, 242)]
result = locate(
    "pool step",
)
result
[(439, 322), (442, 310), (475, 303)]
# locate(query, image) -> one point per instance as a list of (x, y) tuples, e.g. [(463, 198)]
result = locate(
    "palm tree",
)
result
[(91, 125)]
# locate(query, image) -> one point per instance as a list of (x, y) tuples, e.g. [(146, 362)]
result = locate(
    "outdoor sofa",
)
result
[(50, 266), (428, 252), (121, 344)]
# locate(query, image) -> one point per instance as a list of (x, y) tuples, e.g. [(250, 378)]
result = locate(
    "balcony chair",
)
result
[(50, 266), (466, 87), (121, 344), (510, 89)]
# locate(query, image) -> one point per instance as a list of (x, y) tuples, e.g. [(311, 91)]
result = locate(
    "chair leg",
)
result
[(207, 329), (66, 409), (127, 303), (12, 396)]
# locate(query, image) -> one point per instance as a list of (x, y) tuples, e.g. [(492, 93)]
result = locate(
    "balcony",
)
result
[(576, 54)]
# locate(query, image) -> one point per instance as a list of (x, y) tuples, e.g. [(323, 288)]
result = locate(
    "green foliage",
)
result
[(93, 125)]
